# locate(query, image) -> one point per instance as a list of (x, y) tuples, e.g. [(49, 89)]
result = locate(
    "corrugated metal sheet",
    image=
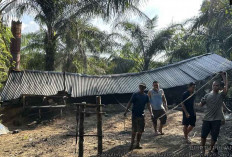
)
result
[(49, 83)]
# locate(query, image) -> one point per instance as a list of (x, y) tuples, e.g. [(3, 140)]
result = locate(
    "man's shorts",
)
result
[(138, 124), (157, 114), (189, 121), (212, 127)]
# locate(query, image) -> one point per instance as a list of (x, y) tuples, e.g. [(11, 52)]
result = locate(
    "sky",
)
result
[(168, 11)]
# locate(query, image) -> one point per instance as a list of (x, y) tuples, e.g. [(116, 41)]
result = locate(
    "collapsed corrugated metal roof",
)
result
[(78, 85)]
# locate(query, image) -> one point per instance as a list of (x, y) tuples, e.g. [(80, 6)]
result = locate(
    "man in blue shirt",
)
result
[(139, 100), (189, 114)]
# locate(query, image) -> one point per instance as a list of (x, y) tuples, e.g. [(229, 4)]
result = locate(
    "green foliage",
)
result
[(98, 66), (215, 23), (5, 56), (143, 42), (32, 52), (185, 44)]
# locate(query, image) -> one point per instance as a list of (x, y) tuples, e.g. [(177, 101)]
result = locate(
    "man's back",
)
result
[(189, 104)]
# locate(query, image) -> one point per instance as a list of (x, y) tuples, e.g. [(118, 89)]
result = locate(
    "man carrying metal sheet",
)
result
[(139, 100), (189, 114), (159, 107), (214, 115)]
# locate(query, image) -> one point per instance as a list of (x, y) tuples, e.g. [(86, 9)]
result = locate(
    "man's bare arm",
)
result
[(165, 102), (150, 108), (225, 80)]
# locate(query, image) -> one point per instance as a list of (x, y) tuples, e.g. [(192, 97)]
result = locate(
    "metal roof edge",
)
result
[(123, 74)]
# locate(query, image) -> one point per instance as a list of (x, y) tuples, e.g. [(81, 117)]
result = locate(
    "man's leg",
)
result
[(161, 128), (155, 126), (214, 133), (134, 130), (212, 145), (203, 141), (132, 139), (139, 135), (141, 126), (204, 133), (154, 120), (185, 124), (163, 120), (192, 121), (190, 128), (185, 128)]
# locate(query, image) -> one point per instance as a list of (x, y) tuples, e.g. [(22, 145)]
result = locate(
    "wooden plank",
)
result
[(99, 124), (50, 106), (89, 105), (95, 112), (56, 96)]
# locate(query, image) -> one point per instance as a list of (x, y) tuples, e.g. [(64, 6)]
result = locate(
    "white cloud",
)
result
[(171, 11), (29, 25), (24, 26)]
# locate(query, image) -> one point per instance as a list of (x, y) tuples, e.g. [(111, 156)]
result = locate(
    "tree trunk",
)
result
[(50, 44), (146, 64), (85, 63), (83, 55), (16, 43)]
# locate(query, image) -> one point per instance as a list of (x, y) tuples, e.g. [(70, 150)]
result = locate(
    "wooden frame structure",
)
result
[(45, 98), (80, 117)]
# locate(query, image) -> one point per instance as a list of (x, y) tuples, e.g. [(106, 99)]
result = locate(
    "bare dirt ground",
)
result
[(53, 140)]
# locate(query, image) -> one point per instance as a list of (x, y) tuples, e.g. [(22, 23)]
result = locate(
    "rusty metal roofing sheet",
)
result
[(78, 85)]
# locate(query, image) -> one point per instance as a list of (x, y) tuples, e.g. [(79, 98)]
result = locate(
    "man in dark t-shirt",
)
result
[(189, 115), (139, 100)]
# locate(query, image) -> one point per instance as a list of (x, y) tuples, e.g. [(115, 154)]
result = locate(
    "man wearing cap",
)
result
[(139, 100), (189, 114), (159, 107)]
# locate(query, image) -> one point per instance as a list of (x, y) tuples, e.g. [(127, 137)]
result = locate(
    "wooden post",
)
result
[(39, 114), (24, 101), (61, 112), (81, 129), (77, 121), (16, 27), (99, 124)]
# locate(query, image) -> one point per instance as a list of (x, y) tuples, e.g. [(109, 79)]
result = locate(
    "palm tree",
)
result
[(55, 16), (146, 42), (215, 22), (82, 39), (32, 53), (185, 43)]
